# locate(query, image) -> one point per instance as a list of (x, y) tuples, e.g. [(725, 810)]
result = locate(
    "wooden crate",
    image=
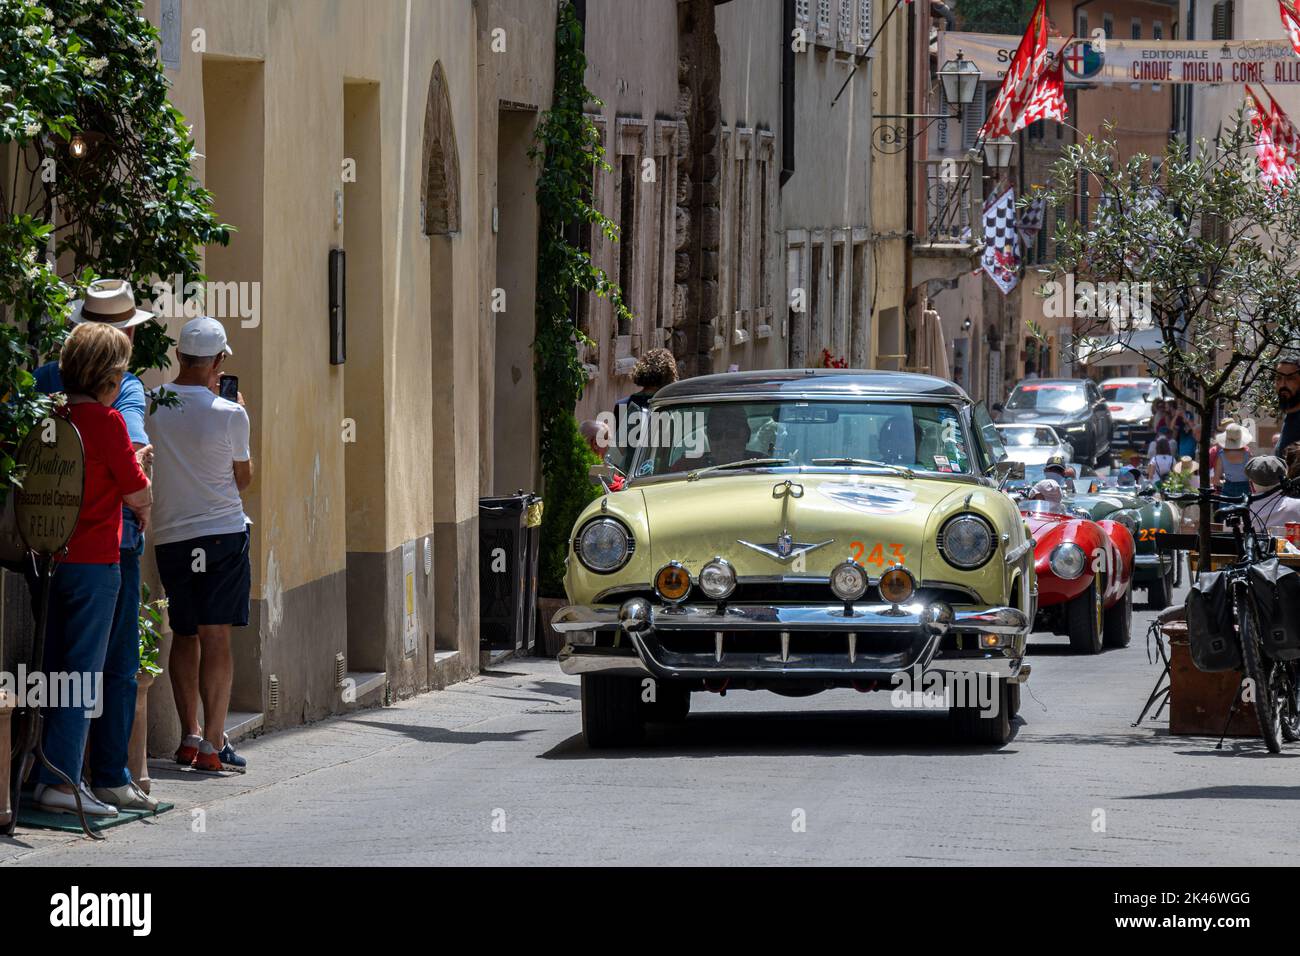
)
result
[(1199, 702)]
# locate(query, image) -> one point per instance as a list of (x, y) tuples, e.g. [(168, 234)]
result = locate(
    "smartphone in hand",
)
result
[(229, 388)]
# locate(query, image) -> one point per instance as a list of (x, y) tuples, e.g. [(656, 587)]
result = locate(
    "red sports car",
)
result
[(1085, 576)]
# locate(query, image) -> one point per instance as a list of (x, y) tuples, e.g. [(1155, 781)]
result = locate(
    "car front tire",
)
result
[(612, 714), (971, 726), (1118, 626), (1083, 620)]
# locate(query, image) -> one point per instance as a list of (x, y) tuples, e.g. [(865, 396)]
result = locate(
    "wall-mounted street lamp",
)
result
[(959, 78), (998, 152)]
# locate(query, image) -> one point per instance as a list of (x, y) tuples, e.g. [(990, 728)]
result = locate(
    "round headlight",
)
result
[(848, 580), (673, 583), (897, 585), (603, 545), (718, 578), (1067, 561), (966, 542)]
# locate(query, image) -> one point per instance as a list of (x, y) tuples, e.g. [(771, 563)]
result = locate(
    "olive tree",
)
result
[(1189, 264)]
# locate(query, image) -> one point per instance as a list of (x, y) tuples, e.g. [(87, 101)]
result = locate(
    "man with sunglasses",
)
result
[(1286, 377)]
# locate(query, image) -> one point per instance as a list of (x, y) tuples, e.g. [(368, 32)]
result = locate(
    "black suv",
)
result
[(1074, 407)]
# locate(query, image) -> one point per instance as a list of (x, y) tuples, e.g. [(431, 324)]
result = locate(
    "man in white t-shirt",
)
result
[(200, 534)]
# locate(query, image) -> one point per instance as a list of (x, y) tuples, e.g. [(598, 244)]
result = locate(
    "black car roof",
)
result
[(812, 383)]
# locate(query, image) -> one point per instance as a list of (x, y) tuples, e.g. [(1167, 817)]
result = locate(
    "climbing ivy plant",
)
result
[(568, 146)]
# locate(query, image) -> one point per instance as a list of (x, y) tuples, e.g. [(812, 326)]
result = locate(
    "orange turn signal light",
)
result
[(897, 585), (673, 583)]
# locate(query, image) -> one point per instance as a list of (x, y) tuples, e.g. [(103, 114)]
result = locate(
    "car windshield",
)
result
[(1027, 436), (1044, 507), (1125, 392), (711, 434), (1048, 397)]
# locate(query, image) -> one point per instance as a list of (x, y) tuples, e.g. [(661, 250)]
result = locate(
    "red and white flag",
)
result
[(1034, 85), (1290, 20), (1277, 143)]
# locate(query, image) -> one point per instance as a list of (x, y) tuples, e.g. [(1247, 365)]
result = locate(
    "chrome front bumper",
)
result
[(869, 642)]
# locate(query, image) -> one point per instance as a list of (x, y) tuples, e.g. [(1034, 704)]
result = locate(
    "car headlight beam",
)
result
[(604, 545), (966, 541)]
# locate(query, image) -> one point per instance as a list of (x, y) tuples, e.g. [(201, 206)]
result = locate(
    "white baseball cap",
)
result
[(203, 337)]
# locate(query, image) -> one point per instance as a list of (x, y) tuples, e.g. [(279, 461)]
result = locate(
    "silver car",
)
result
[(1130, 401), (1034, 444)]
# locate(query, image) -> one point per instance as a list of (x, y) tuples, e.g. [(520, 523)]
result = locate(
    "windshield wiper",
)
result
[(866, 462), (747, 463)]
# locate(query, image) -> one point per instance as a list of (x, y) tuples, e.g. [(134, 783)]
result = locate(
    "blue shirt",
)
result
[(131, 402)]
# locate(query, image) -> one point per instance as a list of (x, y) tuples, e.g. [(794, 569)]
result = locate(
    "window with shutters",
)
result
[(844, 29), (1157, 30), (823, 19), (801, 14), (1136, 32), (1083, 24), (864, 23), (1108, 25), (973, 118), (942, 125), (1221, 23)]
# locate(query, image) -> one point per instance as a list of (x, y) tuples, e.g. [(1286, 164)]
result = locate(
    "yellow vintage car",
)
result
[(796, 531)]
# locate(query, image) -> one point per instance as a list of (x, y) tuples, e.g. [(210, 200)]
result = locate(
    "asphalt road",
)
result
[(494, 771)]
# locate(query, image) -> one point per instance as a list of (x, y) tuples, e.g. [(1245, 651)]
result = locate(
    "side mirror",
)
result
[(1008, 470), (604, 474)]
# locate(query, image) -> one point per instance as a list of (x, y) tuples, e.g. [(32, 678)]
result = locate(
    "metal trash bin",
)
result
[(508, 543)]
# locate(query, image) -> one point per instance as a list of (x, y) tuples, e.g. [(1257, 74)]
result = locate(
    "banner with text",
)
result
[(1140, 61)]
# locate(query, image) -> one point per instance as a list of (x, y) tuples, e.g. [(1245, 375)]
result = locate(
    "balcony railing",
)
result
[(953, 199)]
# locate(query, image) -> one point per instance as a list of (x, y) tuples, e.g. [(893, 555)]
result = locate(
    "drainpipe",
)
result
[(787, 92), (1191, 90)]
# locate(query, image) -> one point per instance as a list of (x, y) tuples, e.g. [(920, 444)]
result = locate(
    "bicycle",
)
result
[(1275, 683)]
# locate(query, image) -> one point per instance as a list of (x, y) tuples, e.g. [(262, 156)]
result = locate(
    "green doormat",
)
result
[(71, 823)]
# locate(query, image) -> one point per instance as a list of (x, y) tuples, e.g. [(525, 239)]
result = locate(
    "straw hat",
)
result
[(1234, 437), (1185, 466), (110, 301)]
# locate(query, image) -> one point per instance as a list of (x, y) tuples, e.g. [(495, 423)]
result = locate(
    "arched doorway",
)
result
[(452, 381)]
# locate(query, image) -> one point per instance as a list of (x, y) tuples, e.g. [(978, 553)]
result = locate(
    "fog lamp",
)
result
[(897, 585), (848, 580), (673, 582)]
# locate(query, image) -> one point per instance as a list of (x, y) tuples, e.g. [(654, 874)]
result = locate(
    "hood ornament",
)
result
[(784, 548)]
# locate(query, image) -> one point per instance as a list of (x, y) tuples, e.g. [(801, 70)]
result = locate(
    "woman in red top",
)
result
[(83, 589)]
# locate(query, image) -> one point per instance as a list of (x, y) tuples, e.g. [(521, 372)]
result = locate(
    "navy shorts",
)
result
[(207, 581)]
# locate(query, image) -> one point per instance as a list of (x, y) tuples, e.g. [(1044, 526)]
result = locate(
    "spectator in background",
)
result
[(201, 540), (1230, 466), (112, 302), (598, 440), (1286, 377), (1162, 462), (1163, 433), (652, 372), (86, 586)]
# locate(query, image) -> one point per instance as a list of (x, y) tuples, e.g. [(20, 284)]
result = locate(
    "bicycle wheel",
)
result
[(1259, 671), (1291, 706)]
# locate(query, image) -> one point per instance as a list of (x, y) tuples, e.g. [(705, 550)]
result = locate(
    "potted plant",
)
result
[(151, 620)]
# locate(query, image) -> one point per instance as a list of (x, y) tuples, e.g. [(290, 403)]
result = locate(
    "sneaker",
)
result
[(129, 797), (189, 749), (53, 800), (212, 760)]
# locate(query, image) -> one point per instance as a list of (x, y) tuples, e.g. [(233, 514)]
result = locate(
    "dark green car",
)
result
[(1147, 516)]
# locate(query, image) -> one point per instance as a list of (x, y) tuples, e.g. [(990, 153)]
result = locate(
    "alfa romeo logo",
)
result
[(1084, 61)]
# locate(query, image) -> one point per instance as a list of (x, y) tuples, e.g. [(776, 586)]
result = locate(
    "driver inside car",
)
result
[(728, 435)]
